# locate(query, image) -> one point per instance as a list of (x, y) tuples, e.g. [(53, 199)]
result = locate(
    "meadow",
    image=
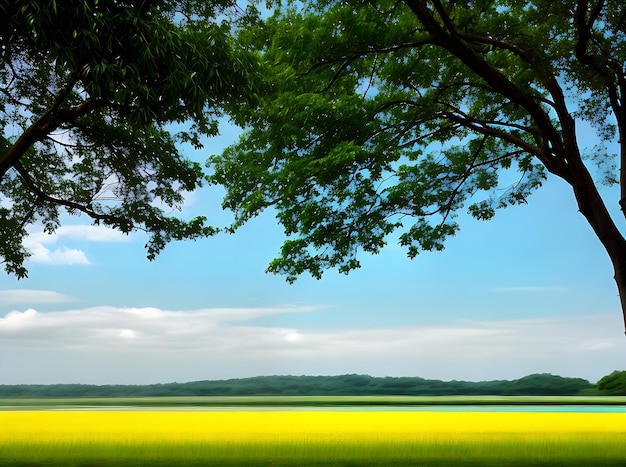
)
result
[(310, 437), (308, 401)]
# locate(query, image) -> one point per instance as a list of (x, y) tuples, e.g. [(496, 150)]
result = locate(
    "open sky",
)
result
[(529, 292)]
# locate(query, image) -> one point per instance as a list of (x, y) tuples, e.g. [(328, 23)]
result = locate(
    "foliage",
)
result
[(352, 385), (382, 117), (613, 384), (91, 97)]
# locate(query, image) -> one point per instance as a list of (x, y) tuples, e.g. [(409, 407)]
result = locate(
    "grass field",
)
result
[(306, 401), (300, 437)]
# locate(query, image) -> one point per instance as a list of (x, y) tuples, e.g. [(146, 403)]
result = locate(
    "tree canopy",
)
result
[(394, 116), (364, 119), (95, 98), (613, 384)]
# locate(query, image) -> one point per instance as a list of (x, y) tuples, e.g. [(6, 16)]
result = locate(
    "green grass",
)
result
[(306, 401), (493, 450)]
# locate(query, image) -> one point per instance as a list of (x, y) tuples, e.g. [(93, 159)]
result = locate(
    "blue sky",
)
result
[(530, 291)]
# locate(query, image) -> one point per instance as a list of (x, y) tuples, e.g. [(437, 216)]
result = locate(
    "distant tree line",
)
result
[(613, 384), (344, 385)]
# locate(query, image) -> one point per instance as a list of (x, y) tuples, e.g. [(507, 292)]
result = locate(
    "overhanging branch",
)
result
[(32, 186), (455, 45), (51, 120)]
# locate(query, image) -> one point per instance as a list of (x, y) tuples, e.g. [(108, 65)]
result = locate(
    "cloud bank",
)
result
[(28, 296), (42, 252), (106, 345)]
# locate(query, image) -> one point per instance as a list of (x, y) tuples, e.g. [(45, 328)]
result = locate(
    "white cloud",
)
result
[(191, 198), (6, 202), (30, 297), (63, 255), (128, 334), (60, 256), (15, 316), (94, 233), (142, 345)]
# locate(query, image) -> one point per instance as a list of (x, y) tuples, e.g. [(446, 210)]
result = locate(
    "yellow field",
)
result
[(238, 436), (268, 425)]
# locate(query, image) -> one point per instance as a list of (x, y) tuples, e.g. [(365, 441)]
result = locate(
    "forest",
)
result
[(344, 385)]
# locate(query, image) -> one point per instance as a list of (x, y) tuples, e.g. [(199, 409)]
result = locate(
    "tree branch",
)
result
[(32, 186), (468, 171), (52, 119), (612, 74), (348, 59), (482, 127), (500, 84)]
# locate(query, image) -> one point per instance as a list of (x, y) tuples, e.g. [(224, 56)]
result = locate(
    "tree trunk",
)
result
[(620, 278), (593, 208)]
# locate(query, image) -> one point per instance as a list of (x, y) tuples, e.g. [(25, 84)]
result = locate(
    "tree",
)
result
[(613, 384), (392, 116), (89, 96)]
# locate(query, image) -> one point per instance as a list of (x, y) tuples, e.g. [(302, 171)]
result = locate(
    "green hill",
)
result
[(344, 385)]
